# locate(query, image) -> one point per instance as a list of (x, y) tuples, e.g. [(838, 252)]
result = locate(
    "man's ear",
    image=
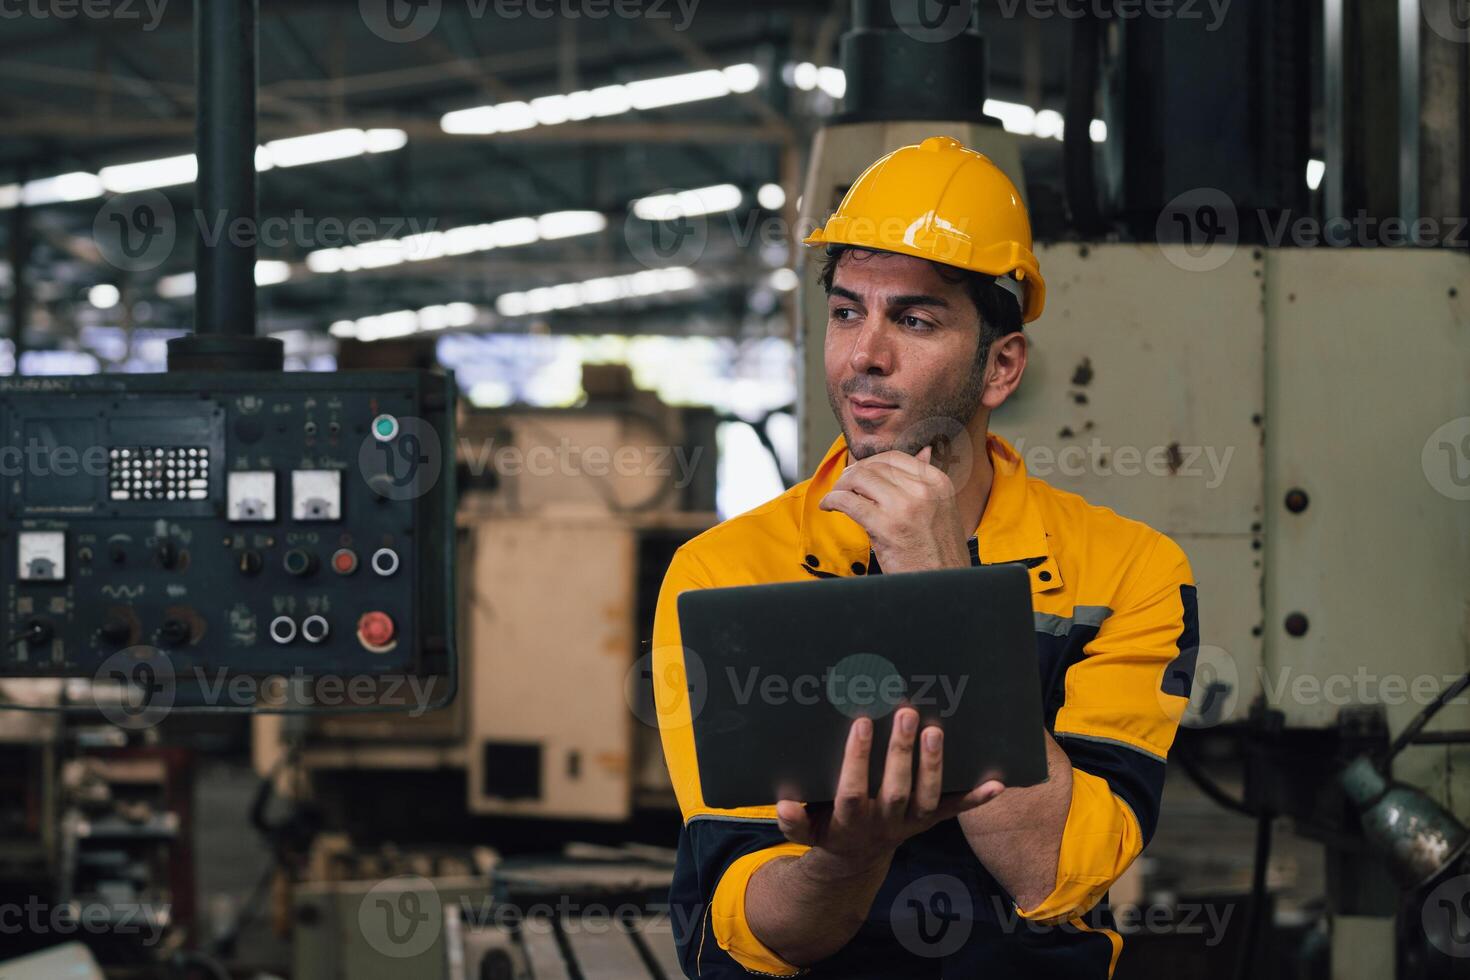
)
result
[(1006, 364)]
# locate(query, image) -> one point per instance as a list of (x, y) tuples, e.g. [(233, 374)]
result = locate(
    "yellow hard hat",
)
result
[(941, 200)]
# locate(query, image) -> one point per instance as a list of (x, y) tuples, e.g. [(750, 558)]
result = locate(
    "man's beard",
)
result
[(936, 421)]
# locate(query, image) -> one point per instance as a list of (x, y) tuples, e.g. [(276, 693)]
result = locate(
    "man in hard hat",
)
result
[(929, 275)]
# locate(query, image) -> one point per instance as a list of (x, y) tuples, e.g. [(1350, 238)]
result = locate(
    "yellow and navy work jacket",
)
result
[(1116, 639)]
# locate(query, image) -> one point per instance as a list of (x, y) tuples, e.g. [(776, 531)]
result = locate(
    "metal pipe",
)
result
[(20, 259), (1334, 108), (1409, 112), (225, 57)]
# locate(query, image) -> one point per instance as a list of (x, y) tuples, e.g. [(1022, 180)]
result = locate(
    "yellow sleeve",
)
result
[(1123, 701), (719, 850)]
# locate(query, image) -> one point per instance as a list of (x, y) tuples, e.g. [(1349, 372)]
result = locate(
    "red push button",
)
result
[(344, 561), (375, 630)]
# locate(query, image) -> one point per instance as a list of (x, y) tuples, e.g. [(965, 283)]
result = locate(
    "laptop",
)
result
[(778, 673)]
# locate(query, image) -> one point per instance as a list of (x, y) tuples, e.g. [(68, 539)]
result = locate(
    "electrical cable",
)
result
[(1256, 920), (1412, 730), (1207, 785), (1080, 181)]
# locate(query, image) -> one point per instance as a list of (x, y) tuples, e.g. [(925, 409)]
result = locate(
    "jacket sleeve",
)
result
[(1122, 703), (719, 850)]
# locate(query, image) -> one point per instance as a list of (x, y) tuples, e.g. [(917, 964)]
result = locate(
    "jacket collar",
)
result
[(1010, 528)]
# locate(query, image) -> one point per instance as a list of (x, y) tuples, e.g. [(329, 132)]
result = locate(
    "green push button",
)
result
[(385, 427)]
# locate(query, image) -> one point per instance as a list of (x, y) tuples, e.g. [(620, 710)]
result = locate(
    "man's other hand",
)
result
[(859, 833)]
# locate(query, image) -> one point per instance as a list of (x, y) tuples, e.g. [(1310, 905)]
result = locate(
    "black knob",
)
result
[(117, 553), (39, 632), (167, 554), (300, 562), (174, 633), (1296, 624), (115, 630), (250, 562)]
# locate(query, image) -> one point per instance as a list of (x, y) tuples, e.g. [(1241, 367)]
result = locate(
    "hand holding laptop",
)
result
[(860, 830)]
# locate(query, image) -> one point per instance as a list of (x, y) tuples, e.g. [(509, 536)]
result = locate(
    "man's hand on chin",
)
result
[(907, 506)]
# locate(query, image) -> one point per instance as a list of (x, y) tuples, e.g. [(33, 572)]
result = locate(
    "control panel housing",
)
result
[(238, 523)]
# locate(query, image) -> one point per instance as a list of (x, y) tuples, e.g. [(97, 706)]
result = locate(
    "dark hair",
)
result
[(1000, 313)]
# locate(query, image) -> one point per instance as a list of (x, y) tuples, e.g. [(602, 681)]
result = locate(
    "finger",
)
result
[(859, 508), (978, 796), (898, 768), (931, 773), (893, 463), (925, 454), (791, 817), (873, 482), (884, 484), (852, 784)]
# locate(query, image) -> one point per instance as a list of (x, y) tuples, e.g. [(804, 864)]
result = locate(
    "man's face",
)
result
[(900, 352)]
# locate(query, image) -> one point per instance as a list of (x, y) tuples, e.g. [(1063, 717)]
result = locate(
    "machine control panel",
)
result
[(254, 522)]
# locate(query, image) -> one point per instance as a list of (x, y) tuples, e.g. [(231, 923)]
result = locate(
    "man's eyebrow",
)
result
[(907, 299), (917, 299)]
